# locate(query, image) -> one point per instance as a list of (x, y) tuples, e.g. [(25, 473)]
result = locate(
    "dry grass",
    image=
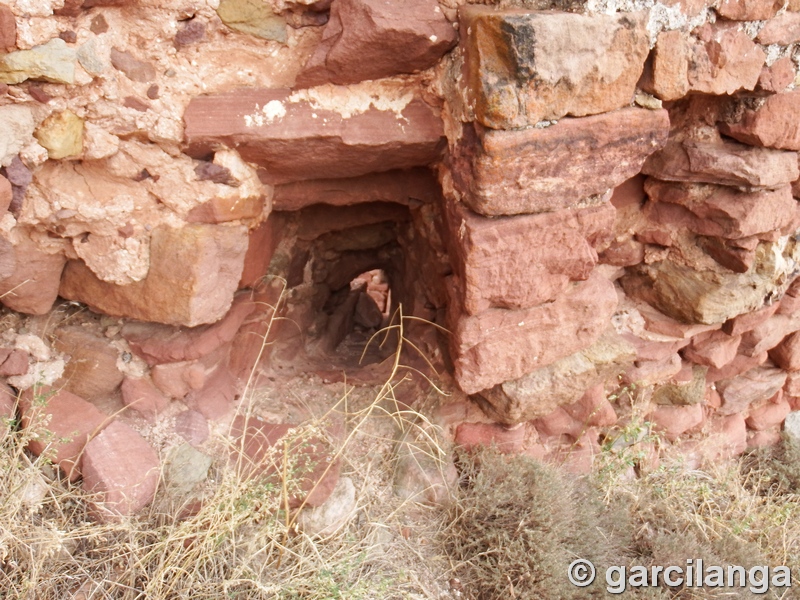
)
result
[(511, 528), (241, 540)]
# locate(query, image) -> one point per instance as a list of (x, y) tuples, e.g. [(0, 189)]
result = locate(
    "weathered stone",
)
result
[(422, 472), (253, 17), (498, 345), (538, 170), (261, 244), (783, 30), (724, 60), (32, 277), (8, 29), (402, 187), (508, 440), (310, 135), (748, 321), (134, 69), (749, 10), (334, 514), (787, 354), (20, 177), (191, 426), (162, 344), (659, 323), (176, 379), (755, 385), (6, 194), (398, 38), (190, 32), (91, 371), (61, 423), (53, 62), (141, 395), (257, 452), (769, 415), (669, 73), (673, 421), (221, 210), (774, 124), (714, 349), (13, 362), (17, 124), (194, 272), (99, 24), (61, 134), (768, 335), (497, 260), (679, 392), (523, 67), (564, 381), (764, 438), (121, 471), (217, 397), (740, 364), (708, 295), (727, 212), (777, 77), (593, 409), (724, 163), (185, 468)]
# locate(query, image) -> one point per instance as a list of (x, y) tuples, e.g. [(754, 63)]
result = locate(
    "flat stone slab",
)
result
[(538, 170), (311, 135)]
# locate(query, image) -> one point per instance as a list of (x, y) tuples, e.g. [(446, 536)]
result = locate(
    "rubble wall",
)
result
[(588, 195)]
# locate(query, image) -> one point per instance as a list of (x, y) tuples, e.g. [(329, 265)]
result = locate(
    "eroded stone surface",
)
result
[(497, 259), (194, 272), (499, 345), (398, 38), (704, 292), (320, 133), (563, 382), (121, 470), (538, 170), (774, 124), (524, 67)]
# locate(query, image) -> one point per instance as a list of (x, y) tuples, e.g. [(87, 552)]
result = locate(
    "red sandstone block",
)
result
[(498, 345), (62, 423), (258, 450), (13, 362), (506, 440), (373, 39), (673, 421), (141, 395), (292, 139), (749, 10), (748, 321), (787, 354), (121, 470), (158, 343), (593, 409), (713, 349), (760, 439), (753, 386), (538, 170), (770, 414), (498, 260), (774, 124)]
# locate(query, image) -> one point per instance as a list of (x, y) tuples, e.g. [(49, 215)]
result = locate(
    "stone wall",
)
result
[(587, 194)]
